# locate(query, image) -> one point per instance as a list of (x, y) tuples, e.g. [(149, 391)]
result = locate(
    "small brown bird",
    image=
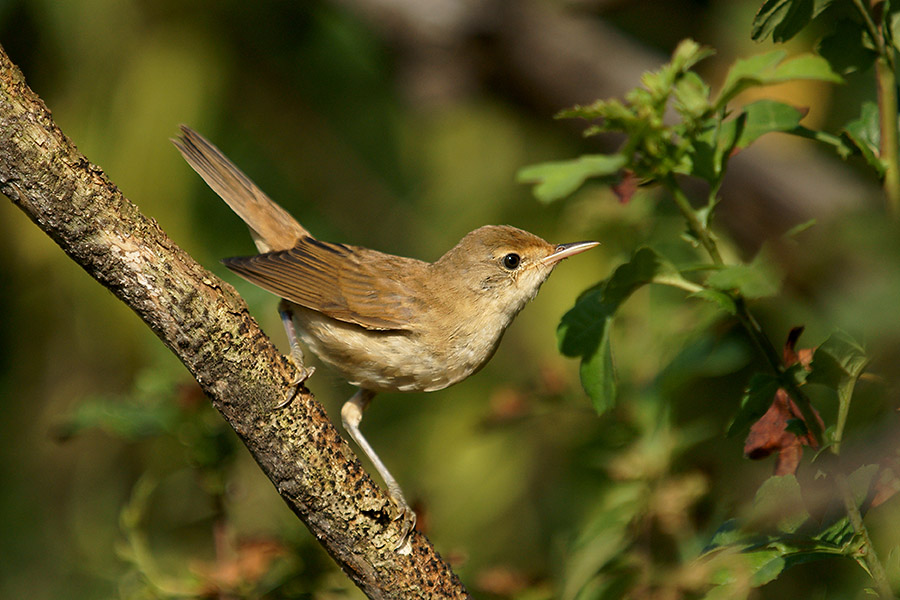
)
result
[(385, 323)]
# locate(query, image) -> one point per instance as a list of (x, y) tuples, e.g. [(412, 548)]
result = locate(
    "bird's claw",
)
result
[(407, 518), (303, 373)]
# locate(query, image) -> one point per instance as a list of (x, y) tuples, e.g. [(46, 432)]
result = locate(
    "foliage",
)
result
[(120, 481), (675, 128)]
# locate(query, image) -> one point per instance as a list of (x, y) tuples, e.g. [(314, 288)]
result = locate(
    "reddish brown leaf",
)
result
[(626, 187), (769, 434)]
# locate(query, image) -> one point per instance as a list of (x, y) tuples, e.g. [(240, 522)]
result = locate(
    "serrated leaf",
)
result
[(838, 358), (865, 134), (766, 116), (837, 364), (558, 179), (746, 72), (756, 401), (804, 66), (783, 19), (584, 331), (770, 68)]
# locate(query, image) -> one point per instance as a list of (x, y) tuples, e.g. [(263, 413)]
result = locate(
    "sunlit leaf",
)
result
[(766, 116), (692, 95), (558, 179), (770, 68)]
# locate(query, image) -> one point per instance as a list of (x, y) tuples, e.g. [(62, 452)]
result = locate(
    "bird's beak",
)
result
[(566, 250)]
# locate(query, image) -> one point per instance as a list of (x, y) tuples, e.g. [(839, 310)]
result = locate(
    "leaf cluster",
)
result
[(675, 127), (701, 137)]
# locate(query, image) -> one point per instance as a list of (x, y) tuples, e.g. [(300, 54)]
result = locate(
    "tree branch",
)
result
[(206, 324)]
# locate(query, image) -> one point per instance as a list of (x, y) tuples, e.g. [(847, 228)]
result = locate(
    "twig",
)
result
[(206, 324)]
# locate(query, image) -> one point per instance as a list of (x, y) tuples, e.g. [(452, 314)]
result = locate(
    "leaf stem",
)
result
[(697, 227), (876, 36), (746, 318), (866, 553)]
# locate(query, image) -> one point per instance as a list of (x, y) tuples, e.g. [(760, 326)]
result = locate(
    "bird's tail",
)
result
[(270, 225)]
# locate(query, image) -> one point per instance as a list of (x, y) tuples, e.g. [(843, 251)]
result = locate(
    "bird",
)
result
[(384, 323)]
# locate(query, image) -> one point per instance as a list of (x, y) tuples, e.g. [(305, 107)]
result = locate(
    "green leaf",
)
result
[(688, 53), (779, 502), (848, 49), (758, 279), (715, 145), (837, 364), (770, 68), (765, 566), (558, 179), (585, 330), (838, 359), (692, 96), (747, 72), (756, 401), (721, 299), (804, 66), (766, 116), (598, 372), (865, 134), (783, 19)]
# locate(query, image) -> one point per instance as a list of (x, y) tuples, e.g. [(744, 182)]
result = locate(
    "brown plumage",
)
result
[(384, 322)]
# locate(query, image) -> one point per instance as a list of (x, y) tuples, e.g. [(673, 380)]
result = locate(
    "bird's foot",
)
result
[(407, 518), (303, 373)]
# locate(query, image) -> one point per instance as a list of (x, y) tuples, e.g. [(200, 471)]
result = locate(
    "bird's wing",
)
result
[(347, 283)]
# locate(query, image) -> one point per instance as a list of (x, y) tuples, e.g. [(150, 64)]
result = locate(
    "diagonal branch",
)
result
[(203, 321)]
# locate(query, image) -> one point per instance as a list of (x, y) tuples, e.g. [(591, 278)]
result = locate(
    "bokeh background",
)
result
[(400, 126)]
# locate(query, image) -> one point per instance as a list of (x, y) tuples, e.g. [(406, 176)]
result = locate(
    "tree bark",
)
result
[(206, 324)]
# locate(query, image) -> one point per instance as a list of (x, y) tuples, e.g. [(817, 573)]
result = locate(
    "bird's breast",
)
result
[(422, 359)]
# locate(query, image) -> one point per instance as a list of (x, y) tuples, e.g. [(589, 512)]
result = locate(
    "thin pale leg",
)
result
[(303, 372), (351, 416)]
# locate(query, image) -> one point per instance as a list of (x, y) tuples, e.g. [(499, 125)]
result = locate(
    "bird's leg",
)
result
[(351, 416), (303, 372)]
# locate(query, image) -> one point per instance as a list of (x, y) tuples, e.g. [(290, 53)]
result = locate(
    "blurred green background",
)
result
[(401, 127)]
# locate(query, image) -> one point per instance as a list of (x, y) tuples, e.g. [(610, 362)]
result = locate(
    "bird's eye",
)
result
[(511, 261)]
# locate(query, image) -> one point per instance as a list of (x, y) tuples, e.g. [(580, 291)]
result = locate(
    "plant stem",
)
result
[(698, 228), (762, 342), (867, 554), (889, 152), (890, 149)]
